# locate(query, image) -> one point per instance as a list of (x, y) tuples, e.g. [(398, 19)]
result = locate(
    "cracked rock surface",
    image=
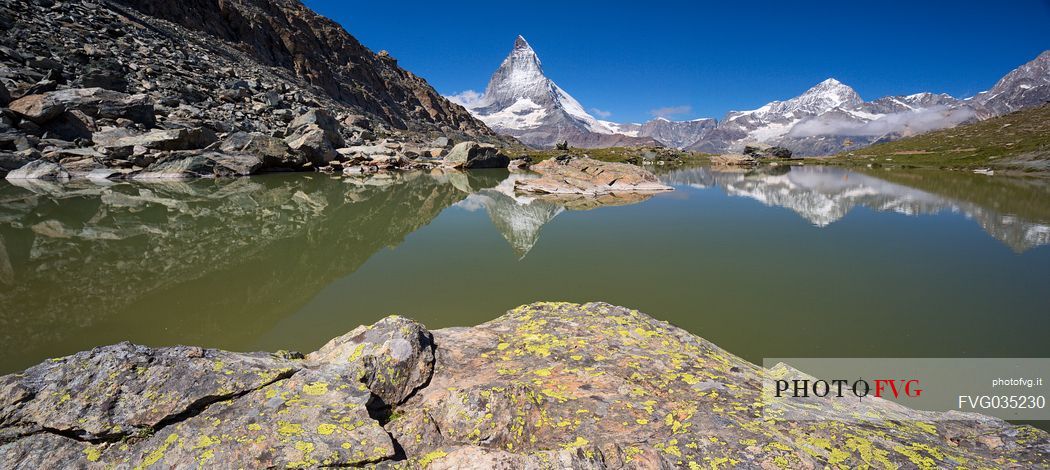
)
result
[(548, 385), (568, 175)]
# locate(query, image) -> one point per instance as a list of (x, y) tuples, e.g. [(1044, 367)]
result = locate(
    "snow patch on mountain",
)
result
[(521, 101)]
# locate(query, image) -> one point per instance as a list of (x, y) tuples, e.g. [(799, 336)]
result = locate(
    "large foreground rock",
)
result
[(315, 135), (583, 175), (97, 103), (548, 385), (469, 155), (39, 170)]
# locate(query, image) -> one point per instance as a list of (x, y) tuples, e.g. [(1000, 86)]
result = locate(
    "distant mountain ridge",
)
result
[(828, 118), (831, 117)]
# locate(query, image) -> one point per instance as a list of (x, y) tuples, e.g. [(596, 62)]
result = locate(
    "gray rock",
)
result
[(179, 167), (357, 121), (275, 153), (319, 118), (5, 96), (103, 174), (37, 108), (367, 150), (95, 102), (14, 160), (70, 126), (184, 165), (235, 164), (520, 163), (39, 170), (314, 143), (469, 155), (14, 140), (398, 355), (107, 74), (441, 142), (316, 136), (161, 139), (125, 389)]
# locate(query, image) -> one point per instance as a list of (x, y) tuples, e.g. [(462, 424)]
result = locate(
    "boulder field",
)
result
[(547, 385)]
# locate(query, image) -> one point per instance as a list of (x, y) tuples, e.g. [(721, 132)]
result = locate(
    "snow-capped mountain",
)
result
[(522, 102), (828, 118), (775, 120), (677, 134), (1025, 87), (831, 117)]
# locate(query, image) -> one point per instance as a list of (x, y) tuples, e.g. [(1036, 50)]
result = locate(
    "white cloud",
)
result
[(669, 111), (472, 203), (468, 99), (600, 113), (904, 123)]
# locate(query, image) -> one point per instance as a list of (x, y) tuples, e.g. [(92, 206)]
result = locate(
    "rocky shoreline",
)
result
[(548, 385)]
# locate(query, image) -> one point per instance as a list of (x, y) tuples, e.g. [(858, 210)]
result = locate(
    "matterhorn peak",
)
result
[(522, 44), (521, 101)]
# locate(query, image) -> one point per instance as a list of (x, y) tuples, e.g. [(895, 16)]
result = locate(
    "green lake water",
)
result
[(801, 262)]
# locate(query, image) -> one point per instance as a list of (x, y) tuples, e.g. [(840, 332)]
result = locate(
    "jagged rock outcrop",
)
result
[(583, 175), (288, 35), (577, 386), (124, 74)]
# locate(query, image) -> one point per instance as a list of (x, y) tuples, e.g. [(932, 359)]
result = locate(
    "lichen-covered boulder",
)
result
[(397, 354), (548, 385), (621, 389), (134, 406), (125, 389)]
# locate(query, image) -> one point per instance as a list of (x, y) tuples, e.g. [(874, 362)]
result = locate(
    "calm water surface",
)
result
[(785, 263)]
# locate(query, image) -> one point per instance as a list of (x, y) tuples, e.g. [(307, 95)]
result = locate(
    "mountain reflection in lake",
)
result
[(289, 261)]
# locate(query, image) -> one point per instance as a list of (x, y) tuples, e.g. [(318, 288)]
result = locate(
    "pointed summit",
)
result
[(521, 101), (825, 96), (521, 44)]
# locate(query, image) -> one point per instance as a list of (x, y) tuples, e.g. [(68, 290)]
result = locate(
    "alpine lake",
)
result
[(801, 261)]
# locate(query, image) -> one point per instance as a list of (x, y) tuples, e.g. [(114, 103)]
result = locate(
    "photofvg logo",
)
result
[(804, 389), (841, 388)]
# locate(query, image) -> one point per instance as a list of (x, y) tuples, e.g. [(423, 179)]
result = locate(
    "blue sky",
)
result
[(704, 59)]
